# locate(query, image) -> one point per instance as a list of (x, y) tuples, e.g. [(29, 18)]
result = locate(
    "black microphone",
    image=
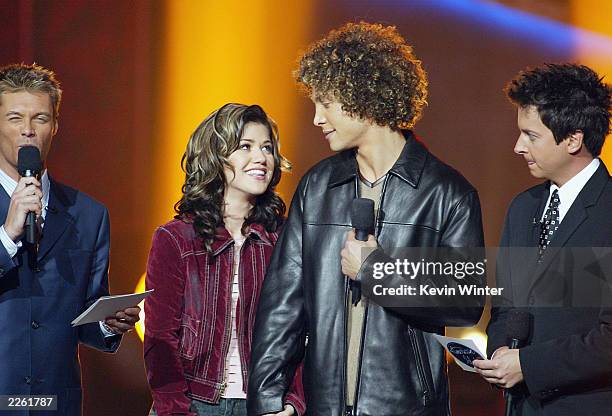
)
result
[(30, 165), (517, 332), (362, 220)]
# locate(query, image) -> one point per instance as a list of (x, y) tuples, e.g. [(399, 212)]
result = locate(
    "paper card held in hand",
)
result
[(464, 351), (107, 306)]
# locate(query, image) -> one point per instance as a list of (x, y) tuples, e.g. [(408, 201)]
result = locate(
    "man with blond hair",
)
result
[(42, 290)]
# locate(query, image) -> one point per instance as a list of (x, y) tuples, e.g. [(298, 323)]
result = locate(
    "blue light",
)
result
[(516, 24), (512, 22)]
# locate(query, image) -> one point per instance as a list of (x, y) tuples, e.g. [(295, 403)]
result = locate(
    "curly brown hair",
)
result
[(209, 146), (370, 70)]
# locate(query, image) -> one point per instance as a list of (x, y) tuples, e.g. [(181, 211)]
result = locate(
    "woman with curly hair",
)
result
[(208, 264)]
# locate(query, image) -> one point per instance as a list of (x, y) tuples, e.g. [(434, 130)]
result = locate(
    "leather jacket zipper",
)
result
[(361, 341), (345, 360), (426, 390), (366, 306)]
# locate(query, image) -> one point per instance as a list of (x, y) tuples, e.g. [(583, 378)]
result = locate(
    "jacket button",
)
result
[(35, 325), (28, 380)]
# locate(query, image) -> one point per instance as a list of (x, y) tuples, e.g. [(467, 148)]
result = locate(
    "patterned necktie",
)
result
[(550, 224)]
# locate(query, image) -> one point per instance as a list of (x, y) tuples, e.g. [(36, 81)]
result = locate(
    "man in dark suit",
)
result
[(554, 259), (38, 346)]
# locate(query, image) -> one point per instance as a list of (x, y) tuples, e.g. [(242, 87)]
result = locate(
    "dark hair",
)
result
[(370, 70), (204, 161), (31, 78), (568, 98)]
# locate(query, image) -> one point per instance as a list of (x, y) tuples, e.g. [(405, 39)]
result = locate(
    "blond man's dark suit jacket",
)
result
[(38, 347)]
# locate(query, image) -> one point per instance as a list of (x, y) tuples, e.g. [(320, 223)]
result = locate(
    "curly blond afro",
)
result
[(370, 70)]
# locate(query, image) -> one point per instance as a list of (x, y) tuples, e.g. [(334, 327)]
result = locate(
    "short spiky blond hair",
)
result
[(370, 70), (31, 78)]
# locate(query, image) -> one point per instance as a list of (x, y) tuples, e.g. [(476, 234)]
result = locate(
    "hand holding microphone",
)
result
[(362, 219), (351, 254), (504, 367), (26, 201)]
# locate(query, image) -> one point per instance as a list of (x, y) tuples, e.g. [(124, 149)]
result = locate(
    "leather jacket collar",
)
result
[(408, 167)]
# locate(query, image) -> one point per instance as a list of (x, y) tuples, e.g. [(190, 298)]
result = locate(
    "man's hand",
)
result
[(503, 369), (26, 198), (351, 254), (124, 320), (287, 412)]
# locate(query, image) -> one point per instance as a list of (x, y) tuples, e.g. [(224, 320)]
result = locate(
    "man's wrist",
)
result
[(106, 330), (9, 244)]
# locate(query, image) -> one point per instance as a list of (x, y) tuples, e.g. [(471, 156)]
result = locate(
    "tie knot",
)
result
[(554, 199)]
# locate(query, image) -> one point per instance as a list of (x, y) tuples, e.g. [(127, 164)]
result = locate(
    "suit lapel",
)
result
[(534, 235), (533, 228), (5, 201), (576, 215), (57, 220)]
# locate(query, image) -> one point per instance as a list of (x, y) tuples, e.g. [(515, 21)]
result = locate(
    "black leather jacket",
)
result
[(302, 309)]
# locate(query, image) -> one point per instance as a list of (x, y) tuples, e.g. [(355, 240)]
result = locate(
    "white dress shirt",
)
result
[(570, 189)]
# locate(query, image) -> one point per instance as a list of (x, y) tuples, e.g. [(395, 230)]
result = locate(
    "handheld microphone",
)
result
[(517, 332), (30, 165), (517, 327), (362, 220)]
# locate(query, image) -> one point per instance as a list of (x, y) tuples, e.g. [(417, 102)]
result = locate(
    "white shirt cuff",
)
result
[(105, 330), (10, 246)]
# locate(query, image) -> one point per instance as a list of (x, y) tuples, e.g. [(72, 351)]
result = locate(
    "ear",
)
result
[(574, 142), (55, 127)]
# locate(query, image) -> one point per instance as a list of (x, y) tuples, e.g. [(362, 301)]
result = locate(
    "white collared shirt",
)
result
[(570, 189), (9, 185)]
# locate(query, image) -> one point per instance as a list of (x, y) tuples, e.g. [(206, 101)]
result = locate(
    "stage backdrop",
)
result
[(139, 76)]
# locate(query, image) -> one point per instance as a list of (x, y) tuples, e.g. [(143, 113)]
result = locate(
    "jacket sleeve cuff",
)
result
[(91, 334), (298, 404), (374, 256), (263, 405), (539, 383), (110, 338), (6, 258), (171, 403)]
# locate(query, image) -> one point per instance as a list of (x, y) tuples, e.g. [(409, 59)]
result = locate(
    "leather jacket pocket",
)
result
[(190, 330), (423, 372)]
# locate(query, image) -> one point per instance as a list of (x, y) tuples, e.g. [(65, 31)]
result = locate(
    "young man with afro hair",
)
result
[(360, 357)]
